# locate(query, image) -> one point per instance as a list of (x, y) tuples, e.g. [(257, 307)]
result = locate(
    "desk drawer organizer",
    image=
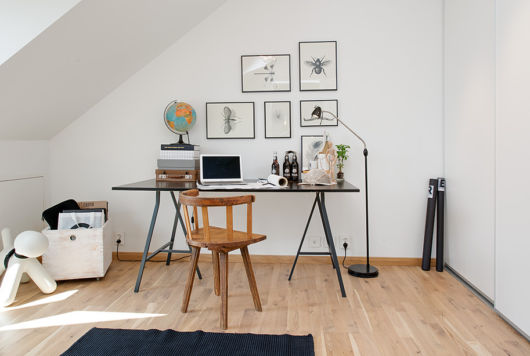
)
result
[(79, 253)]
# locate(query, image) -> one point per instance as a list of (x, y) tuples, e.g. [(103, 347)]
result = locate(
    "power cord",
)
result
[(345, 245), (118, 242)]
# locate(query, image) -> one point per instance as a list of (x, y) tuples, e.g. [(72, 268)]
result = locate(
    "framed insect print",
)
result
[(318, 65), (310, 148), (265, 73), (277, 119), (230, 120), (327, 106)]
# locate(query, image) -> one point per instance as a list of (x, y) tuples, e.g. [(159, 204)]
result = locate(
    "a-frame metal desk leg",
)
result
[(145, 257), (327, 228), (321, 202), (303, 237), (178, 216), (147, 242)]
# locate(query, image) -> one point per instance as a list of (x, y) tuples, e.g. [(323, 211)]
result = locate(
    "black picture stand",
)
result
[(435, 205)]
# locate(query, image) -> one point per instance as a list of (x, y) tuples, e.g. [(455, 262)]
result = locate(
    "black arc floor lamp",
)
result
[(363, 270)]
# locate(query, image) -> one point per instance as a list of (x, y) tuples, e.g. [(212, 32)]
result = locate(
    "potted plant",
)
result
[(342, 155)]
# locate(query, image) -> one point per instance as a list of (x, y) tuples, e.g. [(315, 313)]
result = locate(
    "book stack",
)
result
[(178, 162)]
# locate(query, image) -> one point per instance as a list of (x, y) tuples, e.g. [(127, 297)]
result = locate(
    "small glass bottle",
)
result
[(295, 175), (287, 167), (275, 169)]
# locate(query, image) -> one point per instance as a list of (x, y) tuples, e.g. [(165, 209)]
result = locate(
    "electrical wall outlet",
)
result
[(345, 239), (315, 241), (119, 236)]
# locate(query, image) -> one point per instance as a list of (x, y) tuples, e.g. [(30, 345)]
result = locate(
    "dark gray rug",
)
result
[(99, 341)]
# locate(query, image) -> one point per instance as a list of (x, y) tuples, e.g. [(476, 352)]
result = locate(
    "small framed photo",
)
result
[(230, 120), (327, 106), (318, 65), (277, 119), (264, 73), (311, 146)]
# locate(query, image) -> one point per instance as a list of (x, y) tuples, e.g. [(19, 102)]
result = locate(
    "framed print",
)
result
[(230, 120), (277, 119), (318, 65), (264, 73), (311, 146), (327, 106)]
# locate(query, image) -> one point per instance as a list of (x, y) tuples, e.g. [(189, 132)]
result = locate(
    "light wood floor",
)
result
[(404, 311)]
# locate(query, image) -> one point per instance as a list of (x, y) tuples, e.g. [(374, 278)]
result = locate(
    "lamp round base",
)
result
[(363, 271)]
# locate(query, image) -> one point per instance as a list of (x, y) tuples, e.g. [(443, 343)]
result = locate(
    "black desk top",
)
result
[(153, 185)]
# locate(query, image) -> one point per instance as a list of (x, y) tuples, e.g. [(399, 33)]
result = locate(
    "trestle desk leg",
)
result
[(329, 236), (179, 217), (303, 237), (147, 242)]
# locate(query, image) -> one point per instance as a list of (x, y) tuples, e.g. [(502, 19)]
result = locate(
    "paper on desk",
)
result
[(239, 186), (277, 180)]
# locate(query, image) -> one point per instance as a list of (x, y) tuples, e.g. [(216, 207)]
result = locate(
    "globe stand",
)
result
[(181, 141)]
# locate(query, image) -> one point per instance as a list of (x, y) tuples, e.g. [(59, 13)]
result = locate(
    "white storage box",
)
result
[(79, 253)]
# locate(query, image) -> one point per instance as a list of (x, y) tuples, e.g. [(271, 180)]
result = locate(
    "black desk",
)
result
[(171, 187)]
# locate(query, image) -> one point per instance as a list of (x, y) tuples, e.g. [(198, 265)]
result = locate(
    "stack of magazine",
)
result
[(178, 162)]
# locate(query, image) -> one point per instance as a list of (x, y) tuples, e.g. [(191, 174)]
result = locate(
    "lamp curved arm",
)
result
[(346, 126)]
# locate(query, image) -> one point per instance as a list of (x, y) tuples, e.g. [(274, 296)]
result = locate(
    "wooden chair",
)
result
[(220, 241)]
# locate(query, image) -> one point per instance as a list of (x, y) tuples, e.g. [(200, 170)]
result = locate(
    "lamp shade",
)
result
[(317, 113)]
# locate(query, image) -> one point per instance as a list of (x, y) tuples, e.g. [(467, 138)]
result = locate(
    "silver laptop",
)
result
[(221, 169)]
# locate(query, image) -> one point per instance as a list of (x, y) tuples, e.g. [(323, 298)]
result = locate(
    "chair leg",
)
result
[(215, 263), (223, 264), (196, 251), (251, 278)]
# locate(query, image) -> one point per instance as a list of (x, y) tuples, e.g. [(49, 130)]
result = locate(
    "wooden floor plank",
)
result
[(404, 311)]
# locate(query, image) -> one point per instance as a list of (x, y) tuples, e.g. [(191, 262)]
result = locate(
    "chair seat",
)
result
[(220, 240)]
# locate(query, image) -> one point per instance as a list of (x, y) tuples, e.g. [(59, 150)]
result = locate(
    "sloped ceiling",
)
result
[(85, 55), (23, 20)]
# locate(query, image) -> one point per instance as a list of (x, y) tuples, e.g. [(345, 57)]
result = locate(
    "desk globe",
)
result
[(179, 118)]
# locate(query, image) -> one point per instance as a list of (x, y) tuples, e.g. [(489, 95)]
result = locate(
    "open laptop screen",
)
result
[(221, 167)]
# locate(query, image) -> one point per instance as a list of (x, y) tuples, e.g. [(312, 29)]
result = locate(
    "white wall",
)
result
[(23, 173), (21, 204), (390, 90), (512, 287), (487, 149), (23, 159), (470, 140)]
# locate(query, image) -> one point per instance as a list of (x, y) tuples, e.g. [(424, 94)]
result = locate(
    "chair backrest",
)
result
[(192, 198)]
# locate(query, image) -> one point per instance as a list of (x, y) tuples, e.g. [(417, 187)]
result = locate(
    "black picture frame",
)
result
[(334, 122), (302, 58), (225, 136), (265, 117), (302, 168), (255, 87)]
